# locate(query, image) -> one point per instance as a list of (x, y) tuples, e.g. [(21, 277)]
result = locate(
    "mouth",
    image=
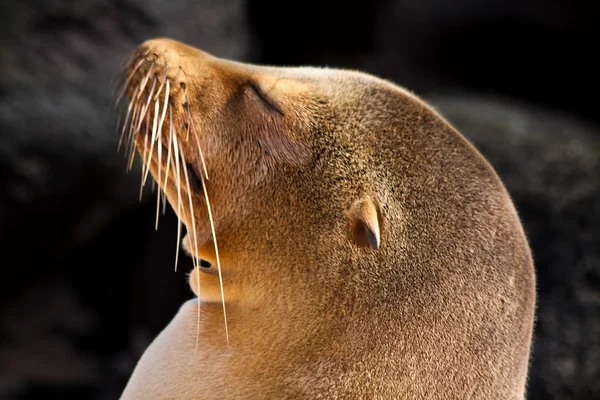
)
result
[(194, 180), (206, 267)]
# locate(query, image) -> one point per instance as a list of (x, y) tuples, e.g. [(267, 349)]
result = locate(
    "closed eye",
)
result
[(265, 98)]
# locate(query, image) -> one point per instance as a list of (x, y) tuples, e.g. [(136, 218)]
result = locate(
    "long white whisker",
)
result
[(145, 160), (195, 255), (154, 126), (214, 236), (127, 117), (128, 80), (191, 122), (192, 217), (171, 131), (198, 313), (121, 94), (162, 83), (131, 154), (160, 125), (164, 207), (164, 111), (132, 133), (136, 122), (145, 81), (164, 203), (145, 109), (158, 181), (178, 183), (134, 70)]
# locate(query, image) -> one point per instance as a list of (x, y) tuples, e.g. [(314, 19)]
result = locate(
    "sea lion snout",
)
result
[(169, 60), (172, 48), (170, 52)]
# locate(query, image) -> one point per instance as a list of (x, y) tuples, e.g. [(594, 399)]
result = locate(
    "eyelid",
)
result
[(266, 99)]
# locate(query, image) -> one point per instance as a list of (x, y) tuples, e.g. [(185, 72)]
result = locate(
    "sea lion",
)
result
[(354, 244)]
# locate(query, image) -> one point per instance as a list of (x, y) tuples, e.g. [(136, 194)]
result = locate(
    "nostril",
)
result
[(182, 84)]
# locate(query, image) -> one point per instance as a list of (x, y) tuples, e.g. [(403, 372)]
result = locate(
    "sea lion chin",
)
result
[(355, 244)]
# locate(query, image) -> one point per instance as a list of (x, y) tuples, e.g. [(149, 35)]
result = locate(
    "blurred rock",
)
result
[(550, 163), (534, 49)]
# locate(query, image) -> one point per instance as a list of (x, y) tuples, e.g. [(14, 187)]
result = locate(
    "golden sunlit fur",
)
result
[(360, 247)]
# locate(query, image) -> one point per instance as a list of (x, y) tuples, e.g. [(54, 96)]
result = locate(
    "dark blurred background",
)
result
[(86, 280)]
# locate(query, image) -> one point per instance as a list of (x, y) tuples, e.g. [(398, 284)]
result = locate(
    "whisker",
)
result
[(145, 81), (132, 133), (192, 217), (144, 114), (162, 83), (160, 124), (195, 256), (132, 104), (144, 159), (164, 203), (124, 85), (159, 154), (214, 236), (145, 108), (132, 154), (191, 123), (170, 143), (178, 183), (135, 128), (134, 70), (164, 206), (198, 313), (201, 155), (116, 101), (154, 125), (120, 81), (164, 111), (128, 115), (119, 116), (158, 139), (158, 196)]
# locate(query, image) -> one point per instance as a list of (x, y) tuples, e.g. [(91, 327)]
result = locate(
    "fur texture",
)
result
[(442, 308)]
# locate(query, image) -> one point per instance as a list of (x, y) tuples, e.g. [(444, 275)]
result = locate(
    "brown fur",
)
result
[(299, 170)]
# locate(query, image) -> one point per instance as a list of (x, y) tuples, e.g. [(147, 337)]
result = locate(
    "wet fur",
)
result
[(442, 309)]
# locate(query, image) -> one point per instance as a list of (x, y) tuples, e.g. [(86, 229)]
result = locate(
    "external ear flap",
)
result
[(364, 223)]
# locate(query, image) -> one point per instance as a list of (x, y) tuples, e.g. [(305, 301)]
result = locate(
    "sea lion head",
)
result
[(343, 197), (279, 152)]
